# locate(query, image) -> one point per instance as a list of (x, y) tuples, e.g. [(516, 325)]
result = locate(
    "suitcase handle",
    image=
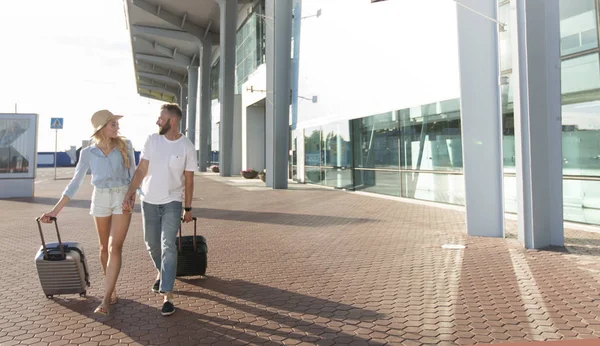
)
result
[(194, 239), (60, 244)]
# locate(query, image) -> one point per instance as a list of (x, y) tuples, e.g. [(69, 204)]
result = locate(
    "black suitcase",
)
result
[(61, 266), (191, 254)]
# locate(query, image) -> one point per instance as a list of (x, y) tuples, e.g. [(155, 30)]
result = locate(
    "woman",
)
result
[(111, 162)]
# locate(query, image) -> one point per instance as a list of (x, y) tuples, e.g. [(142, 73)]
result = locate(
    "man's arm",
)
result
[(189, 194), (140, 174)]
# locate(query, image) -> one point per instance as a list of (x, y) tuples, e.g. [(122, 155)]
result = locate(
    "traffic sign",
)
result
[(56, 123)]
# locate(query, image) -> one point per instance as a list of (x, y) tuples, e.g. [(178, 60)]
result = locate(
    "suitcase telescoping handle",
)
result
[(194, 239), (60, 245)]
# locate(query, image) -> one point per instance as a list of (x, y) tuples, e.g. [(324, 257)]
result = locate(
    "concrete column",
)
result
[(227, 82), (481, 117), (192, 101), (183, 104), (279, 81), (535, 28), (205, 111)]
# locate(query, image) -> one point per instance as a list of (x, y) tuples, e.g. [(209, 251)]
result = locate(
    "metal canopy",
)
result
[(165, 40)]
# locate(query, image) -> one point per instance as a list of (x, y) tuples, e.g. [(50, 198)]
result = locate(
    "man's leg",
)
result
[(171, 219), (151, 218)]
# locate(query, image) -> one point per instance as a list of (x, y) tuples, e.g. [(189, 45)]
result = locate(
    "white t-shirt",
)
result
[(165, 182)]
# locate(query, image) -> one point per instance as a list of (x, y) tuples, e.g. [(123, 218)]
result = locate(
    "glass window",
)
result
[(508, 124), (581, 138), (376, 141), (314, 175), (581, 201), (444, 188), (336, 150), (246, 51), (340, 178), (261, 41), (15, 146), (431, 137), (312, 147), (508, 141), (580, 74), (336, 155), (214, 82), (294, 147), (382, 182), (578, 26), (250, 45)]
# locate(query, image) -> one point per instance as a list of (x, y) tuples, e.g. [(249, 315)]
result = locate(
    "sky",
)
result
[(70, 58)]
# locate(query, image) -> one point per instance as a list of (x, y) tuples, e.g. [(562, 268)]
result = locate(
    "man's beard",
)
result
[(164, 129)]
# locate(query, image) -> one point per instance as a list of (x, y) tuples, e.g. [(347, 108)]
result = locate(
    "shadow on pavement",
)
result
[(144, 324), (278, 218)]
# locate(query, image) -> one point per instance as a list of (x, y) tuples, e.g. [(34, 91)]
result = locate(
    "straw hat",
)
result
[(101, 118)]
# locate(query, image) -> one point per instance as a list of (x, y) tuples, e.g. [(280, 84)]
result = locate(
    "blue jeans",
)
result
[(161, 224)]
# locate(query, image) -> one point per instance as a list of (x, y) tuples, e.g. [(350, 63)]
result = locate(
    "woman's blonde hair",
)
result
[(119, 143)]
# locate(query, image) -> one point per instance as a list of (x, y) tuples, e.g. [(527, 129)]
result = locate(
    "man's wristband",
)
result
[(187, 208)]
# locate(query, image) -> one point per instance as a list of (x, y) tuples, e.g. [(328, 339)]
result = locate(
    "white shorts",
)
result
[(108, 201)]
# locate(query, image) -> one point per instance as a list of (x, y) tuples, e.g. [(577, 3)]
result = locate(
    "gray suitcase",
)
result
[(61, 267)]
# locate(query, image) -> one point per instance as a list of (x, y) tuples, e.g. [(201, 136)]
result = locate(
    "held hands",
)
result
[(129, 202), (45, 218), (187, 216)]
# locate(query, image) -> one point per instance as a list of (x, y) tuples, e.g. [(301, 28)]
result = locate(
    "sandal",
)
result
[(114, 300), (101, 310)]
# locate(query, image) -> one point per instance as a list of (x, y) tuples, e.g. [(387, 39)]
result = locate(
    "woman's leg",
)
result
[(120, 226), (103, 228), (103, 225)]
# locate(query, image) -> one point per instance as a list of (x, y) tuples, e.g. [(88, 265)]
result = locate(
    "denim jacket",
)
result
[(107, 171)]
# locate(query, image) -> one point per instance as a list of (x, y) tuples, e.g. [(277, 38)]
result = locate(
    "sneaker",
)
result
[(156, 286), (168, 309)]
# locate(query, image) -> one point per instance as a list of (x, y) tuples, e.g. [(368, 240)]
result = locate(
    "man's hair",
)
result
[(172, 108)]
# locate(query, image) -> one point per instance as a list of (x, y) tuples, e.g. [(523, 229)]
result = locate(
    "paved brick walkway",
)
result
[(307, 266)]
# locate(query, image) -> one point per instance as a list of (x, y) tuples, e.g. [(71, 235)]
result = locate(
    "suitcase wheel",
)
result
[(83, 294), (49, 296)]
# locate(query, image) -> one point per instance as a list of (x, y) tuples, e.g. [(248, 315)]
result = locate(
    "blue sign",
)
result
[(56, 123)]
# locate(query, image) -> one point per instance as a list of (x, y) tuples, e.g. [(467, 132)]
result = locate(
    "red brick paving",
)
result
[(308, 266)]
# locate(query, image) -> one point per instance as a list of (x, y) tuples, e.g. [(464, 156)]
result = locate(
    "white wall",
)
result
[(255, 141), (236, 155), (257, 80), (216, 118), (253, 119), (361, 58)]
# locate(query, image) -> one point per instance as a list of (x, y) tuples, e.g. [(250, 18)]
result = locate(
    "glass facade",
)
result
[(336, 155), (214, 81), (580, 82), (578, 26), (417, 152), (414, 152), (376, 141), (328, 155), (294, 154), (250, 45)]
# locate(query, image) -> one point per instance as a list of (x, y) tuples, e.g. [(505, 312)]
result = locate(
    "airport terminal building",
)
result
[(490, 104)]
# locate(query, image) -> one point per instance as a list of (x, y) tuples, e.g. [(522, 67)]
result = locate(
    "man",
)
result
[(166, 170)]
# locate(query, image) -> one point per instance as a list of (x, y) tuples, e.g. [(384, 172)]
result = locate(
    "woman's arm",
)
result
[(57, 208), (82, 167)]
